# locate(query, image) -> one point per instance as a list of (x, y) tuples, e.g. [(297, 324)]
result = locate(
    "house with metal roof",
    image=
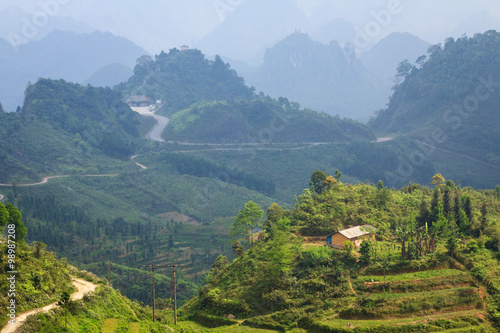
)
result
[(355, 234), (141, 100)]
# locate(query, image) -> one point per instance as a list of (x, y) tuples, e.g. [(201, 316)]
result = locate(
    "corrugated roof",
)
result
[(140, 98), (357, 231)]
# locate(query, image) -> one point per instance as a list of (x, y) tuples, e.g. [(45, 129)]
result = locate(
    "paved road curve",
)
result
[(155, 133)]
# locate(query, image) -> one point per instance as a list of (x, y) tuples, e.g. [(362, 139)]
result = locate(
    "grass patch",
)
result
[(134, 327), (110, 325), (442, 273)]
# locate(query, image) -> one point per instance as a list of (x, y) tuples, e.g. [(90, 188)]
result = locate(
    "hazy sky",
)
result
[(241, 28)]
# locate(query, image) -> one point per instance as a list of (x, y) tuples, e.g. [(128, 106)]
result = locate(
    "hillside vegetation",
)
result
[(425, 272), (449, 98), (65, 127), (260, 121), (181, 78), (40, 278)]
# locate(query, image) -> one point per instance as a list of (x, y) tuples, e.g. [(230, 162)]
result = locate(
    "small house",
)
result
[(140, 100), (355, 234)]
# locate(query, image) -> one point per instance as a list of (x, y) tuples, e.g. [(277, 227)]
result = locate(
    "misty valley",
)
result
[(327, 188)]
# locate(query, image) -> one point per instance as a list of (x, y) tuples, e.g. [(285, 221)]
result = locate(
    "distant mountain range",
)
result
[(96, 58), (329, 78)]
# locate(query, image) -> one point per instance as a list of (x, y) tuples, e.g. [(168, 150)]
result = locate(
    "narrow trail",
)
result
[(82, 287), (46, 179), (350, 285)]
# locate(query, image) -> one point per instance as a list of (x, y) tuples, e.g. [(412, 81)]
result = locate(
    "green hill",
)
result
[(32, 277), (450, 102), (181, 78), (260, 121), (64, 127), (425, 272)]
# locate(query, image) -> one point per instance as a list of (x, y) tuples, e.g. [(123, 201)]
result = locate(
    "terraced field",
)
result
[(442, 300)]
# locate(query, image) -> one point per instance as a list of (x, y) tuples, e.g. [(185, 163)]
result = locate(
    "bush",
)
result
[(266, 323), (213, 321)]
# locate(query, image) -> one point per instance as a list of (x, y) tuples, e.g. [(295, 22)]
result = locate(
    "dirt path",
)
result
[(46, 179), (350, 284), (83, 288)]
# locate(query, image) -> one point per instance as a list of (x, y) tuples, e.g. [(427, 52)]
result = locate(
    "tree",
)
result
[(64, 302), (317, 179), (424, 215), (403, 70), (446, 201), (484, 213), (452, 246), (468, 209), (247, 219), (366, 251), (456, 208), (450, 183), (403, 229), (380, 185), (1, 108), (39, 247), (219, 264), (280, 254), (15, 219), (273, 214), (438, 180), (463, 223), (421, 60), (238, 249), (329, 182), (497, 190), (338, 174), (4, 215)]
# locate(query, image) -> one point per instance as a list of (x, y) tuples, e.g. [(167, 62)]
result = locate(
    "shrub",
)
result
[(213, 321)]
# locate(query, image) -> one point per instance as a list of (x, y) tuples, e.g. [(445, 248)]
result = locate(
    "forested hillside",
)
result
[(261, 121), (449, 98), (33, 277), (65, 127), (432, 267), (181, 78)]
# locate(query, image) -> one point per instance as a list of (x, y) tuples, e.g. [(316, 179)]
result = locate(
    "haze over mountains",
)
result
[(253, 105), (230, 30), (98, 58)]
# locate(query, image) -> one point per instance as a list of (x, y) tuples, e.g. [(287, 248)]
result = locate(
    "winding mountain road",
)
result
[(82, 287), (161, 122), (46, 179)]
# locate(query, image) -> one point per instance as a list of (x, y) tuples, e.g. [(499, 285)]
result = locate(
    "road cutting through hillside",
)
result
[(83, 287), (46, 179), (161, 122)]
